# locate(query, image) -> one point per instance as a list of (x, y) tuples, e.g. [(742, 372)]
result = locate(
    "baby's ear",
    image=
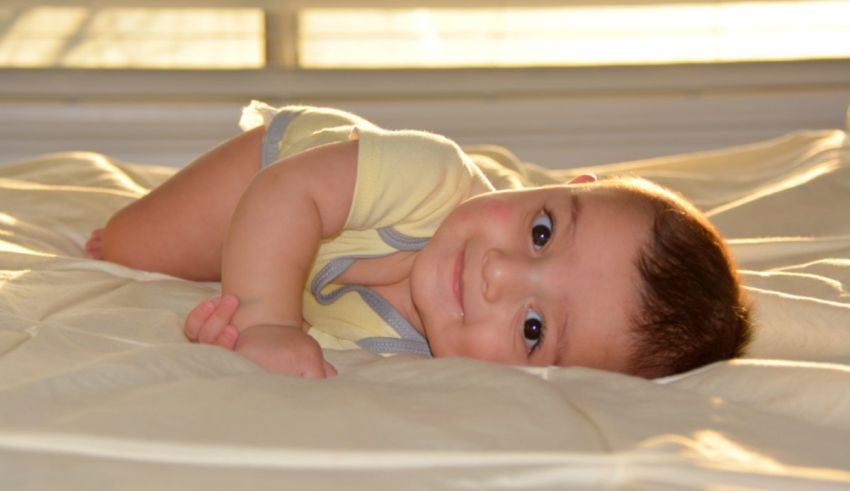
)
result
[(583, 179)]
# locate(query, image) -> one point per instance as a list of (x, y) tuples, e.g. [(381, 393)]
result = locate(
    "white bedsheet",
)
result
[(99, 389)]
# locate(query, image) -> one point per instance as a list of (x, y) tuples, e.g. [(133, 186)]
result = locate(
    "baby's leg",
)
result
[(179, 227)]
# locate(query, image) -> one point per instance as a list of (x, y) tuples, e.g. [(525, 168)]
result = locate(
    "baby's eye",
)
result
[(541, 230), (532, 330)]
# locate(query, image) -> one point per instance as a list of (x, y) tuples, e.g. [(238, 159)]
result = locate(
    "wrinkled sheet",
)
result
[(99, 389)]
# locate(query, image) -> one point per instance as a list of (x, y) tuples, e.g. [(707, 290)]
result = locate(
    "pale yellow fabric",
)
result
[(406, 179)]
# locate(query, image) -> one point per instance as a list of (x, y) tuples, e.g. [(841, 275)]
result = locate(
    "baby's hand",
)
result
[(278, 349), (283, 349), (209, 322)]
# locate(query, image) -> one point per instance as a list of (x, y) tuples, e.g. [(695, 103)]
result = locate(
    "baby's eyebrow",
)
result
[(575, 206), (560, 338)]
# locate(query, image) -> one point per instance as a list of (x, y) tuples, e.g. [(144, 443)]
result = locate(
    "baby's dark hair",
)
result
[(693, 310)]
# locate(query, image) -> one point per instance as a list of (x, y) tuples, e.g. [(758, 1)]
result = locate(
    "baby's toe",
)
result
[(94, 246)]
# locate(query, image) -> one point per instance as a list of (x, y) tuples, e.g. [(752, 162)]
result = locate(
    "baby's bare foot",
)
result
[(94, 246)]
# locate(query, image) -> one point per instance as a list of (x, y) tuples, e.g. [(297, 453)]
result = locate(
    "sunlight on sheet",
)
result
[(9, 221), (833, 284), (763, 362), (829, 261), (719, 449), (108, 167), (14, 248), (792, 181), (729, 454)]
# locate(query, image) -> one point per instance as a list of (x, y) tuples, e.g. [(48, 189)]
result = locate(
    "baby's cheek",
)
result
[(497, 211), (484, 340), (479, 214)]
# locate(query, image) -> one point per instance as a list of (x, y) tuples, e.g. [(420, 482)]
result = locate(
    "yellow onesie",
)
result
[(407, 182)]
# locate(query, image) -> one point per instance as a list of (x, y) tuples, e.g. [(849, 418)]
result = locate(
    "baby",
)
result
[(327, 231)]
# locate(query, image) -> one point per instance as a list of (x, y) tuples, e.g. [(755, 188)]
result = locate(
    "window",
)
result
[(651, 33), (575, 34), (83, 37)]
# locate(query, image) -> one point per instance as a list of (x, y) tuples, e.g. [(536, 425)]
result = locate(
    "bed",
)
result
[(99, 389)]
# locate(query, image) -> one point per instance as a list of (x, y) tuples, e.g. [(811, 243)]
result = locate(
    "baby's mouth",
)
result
[(457, 280)]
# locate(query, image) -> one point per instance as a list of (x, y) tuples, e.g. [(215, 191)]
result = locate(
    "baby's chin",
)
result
[(452, 350), (441, 349)]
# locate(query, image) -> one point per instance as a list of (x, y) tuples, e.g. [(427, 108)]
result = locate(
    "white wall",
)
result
[(554, 117)]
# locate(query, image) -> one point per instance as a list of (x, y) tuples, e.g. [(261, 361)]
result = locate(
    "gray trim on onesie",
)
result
[(398, 240), (274, 134), (410, 341)]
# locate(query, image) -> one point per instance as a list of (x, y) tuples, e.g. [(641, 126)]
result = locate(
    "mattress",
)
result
[(99, 389)]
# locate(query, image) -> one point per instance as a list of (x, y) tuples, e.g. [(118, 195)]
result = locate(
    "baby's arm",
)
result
[(272, 241)]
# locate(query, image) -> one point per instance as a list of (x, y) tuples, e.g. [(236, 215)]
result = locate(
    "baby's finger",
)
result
[(198, 316), (227, 337), (219, 319), (226, 307)]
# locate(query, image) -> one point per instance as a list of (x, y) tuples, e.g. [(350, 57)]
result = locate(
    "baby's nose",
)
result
[(505, 275)]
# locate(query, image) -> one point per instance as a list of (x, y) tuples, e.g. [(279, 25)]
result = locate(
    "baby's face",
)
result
[(542, 276)]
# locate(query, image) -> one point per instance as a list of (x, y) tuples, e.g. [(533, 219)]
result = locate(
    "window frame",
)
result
[(282, 79), (292, 84)]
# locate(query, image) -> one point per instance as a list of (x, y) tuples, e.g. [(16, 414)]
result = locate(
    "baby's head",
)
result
[(692, 308), (618, 274)]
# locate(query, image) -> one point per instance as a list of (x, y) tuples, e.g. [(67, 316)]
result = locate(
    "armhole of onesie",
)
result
[(356, 134)]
